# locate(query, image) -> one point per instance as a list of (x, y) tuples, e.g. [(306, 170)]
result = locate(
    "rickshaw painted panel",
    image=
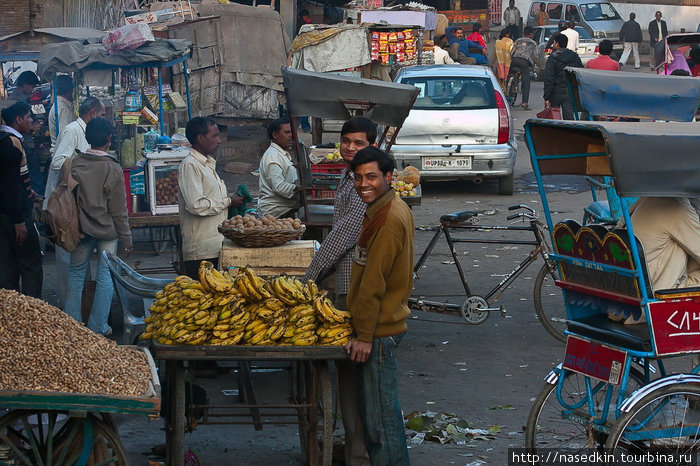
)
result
[(675, 325), (634, 95), (594, 359)]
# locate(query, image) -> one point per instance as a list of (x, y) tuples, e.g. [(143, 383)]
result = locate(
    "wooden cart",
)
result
[(311, 397), (69, 428)]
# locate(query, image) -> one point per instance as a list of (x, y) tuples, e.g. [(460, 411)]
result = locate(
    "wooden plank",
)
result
[(295, 254), (249, 353)]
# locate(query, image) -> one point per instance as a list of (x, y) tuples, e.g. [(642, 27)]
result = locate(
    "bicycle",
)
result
[(513, 87), (476, 309)]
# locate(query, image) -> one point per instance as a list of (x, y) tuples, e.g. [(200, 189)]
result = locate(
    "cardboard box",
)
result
[(292, 258)]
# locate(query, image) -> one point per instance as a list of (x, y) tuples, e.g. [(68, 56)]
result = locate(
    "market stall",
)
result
[(336, 97), (138, 98)]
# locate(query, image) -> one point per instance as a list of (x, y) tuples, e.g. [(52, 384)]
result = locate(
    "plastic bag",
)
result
[(550, 113), (129, 37)]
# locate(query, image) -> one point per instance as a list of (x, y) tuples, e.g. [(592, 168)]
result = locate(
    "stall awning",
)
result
[(73, 56), (331, 96)]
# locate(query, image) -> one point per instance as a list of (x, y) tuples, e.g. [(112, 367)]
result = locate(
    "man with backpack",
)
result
[(71, 139), (20, 253)]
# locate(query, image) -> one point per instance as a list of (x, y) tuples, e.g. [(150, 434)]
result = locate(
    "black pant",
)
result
[(191, 268), (562, 98), (514, 31), (522, 65), (20, 261)]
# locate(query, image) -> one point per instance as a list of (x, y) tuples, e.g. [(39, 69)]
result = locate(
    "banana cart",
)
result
[(54, 428)]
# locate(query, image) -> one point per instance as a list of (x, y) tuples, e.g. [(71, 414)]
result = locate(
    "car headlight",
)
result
[(599, 34)]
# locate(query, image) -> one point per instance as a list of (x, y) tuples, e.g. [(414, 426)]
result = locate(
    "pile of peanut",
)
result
[(43, 349)]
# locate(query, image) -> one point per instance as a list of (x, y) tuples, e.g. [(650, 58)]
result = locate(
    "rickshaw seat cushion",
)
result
[(600, 211), (599, 328), (677, 292), (458, 216)]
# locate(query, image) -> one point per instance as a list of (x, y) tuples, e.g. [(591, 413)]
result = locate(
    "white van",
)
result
[(599, 18)]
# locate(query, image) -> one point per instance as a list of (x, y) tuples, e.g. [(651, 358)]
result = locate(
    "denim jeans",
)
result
[(378, 401), (79, 261)]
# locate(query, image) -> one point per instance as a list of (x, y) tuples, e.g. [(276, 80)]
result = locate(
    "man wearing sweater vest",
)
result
[(380, 285)]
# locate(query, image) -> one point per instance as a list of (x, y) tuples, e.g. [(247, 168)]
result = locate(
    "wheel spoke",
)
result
[(32, 438), (49, 440), (20, 455), (75, 426)]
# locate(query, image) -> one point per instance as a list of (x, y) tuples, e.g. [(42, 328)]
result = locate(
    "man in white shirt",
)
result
[(70, 140), (511, 20), (64, 102), (442, 57), (203, 199), (571, 33), (278, 176)]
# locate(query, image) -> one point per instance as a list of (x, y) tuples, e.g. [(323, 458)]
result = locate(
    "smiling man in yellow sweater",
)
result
[(380, 284)]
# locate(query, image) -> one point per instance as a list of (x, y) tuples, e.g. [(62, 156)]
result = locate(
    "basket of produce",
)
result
[(245, 309), (263, 232)]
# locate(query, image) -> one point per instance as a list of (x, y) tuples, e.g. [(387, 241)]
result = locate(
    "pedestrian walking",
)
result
[(631, 35), (380, 285), (524, 55), (657, 31), (501, 57), (556, 92)]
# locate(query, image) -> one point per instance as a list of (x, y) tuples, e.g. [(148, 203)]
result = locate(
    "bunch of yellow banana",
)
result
[(256, 332), (250, 285), (327, 312), (292, 291), (334, 334), (213, 280)]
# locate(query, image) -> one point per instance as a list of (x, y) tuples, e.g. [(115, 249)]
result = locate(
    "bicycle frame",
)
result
[(540, 248)]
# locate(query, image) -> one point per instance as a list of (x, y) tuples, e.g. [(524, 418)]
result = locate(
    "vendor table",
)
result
[(313, 386)]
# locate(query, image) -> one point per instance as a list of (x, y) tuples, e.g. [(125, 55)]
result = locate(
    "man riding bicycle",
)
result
[(524, 55)]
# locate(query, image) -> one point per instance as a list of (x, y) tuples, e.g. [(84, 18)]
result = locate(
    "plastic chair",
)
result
[(126, 280)]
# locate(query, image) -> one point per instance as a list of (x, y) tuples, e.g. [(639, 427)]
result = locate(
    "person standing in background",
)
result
[(572, 35), (603, 61), (104, 221), (26, 83), (631, 35), (278, 175), (542, 16), (64, 102), (476, 36), (71, 140), (657, 31), (511, 20), (556, 91), (202, 199), (20, 253), (501, 57)]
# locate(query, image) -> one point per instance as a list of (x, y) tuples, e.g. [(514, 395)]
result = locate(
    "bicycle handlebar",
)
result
[(512, 217)]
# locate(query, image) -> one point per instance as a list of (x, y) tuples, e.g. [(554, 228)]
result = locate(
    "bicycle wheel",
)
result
[(512, 89), (548, 427), (549, 302), (664, 422)]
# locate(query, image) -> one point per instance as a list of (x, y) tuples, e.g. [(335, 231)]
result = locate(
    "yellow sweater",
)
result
[(382, 270)]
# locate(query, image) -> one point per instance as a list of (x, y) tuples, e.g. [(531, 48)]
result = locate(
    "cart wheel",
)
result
[(55, 438), (301, 393), (470, 310), (665, 421), (551, 425), (549, 302)]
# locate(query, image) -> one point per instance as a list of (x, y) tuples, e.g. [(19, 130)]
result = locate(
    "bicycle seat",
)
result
[(458, 216), (598, 327)]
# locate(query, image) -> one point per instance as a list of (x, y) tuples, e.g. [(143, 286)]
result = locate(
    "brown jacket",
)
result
[(101, 197), (382, 271)]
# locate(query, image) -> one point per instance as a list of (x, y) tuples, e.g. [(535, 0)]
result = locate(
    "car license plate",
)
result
[(437, 163)]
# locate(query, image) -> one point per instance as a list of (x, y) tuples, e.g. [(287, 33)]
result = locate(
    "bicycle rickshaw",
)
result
[(606, 396)]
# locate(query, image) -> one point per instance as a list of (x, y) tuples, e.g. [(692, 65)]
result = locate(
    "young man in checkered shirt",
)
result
[(336, 254)]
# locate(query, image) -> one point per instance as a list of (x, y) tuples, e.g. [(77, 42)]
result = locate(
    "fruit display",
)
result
[(44, 349), (167, 189), (220, 309), (403, 189), (405, 181), (266, 222)]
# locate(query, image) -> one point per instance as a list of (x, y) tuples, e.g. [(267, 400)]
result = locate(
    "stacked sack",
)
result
[(220, 309)]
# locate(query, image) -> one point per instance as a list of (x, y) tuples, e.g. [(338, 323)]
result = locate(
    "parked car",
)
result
[(587, 46), (599, 18), (459, 128)]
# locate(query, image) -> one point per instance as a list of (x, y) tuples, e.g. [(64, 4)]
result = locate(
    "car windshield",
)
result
[(582, 33), (452, 92), (599, 12)]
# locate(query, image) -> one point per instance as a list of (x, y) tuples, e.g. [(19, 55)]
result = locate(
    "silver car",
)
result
[(460, 127)]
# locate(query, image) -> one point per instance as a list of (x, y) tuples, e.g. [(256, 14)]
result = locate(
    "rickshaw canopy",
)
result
[(327, 95), (645, 159), (663, 53), (634, 95)]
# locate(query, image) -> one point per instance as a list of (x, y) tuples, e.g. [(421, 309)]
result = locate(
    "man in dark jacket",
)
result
[(657, 31), (631, 34), (556, 92), (20, 254)]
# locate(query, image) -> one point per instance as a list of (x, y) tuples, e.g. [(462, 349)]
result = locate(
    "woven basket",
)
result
[(261, 238)]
